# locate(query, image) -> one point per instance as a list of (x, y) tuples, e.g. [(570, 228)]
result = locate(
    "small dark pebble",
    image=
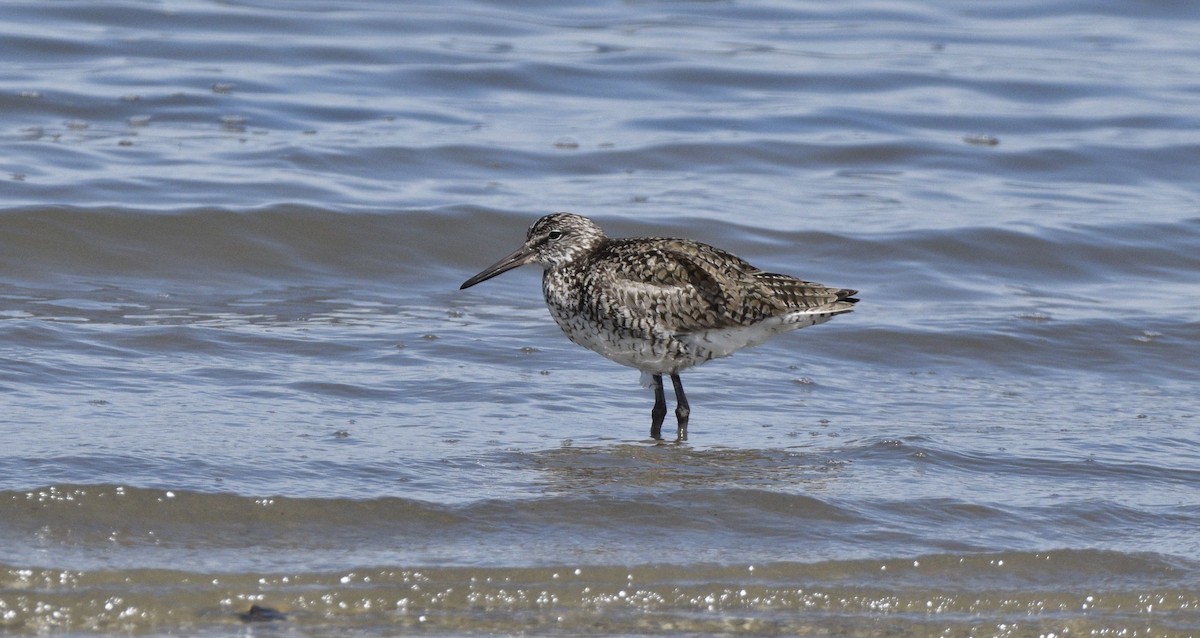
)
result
[(262, 614)]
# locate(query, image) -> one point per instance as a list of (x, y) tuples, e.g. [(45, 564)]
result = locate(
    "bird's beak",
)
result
[(519, 257)]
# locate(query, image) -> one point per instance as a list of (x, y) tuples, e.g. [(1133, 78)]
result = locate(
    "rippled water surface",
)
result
[(236, 368)]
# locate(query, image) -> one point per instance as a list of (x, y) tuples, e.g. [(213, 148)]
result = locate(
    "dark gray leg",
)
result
[(682, 410), (660, 408)]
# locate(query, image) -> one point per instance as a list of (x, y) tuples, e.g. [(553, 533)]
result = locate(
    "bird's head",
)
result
[(552, 241)]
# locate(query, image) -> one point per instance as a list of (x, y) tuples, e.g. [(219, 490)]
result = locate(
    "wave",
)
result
[(1108, 297), (580, 515), (298, 240)]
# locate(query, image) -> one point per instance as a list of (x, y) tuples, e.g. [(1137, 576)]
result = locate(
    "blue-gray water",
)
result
[(236, 368)]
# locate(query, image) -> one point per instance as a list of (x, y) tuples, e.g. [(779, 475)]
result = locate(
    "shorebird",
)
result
[(662, 305)]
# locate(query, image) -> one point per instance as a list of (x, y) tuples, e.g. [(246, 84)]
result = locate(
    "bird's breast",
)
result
[(585, 313)]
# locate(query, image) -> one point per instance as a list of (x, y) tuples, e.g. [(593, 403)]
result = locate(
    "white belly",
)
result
[(666, 353), (723, 342)]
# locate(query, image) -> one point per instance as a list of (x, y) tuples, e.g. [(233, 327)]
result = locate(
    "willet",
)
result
[(662, 305)]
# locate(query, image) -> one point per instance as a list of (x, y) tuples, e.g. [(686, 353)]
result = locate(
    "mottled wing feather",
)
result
[(799, 295), (689, 286), (650, 285)]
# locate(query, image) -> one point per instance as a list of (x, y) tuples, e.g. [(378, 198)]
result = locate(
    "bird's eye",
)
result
[(554, 234)]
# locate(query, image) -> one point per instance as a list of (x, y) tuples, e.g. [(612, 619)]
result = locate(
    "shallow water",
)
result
[(236, 367)]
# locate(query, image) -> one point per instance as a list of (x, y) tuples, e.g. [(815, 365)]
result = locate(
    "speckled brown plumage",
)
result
[(662, 305)]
